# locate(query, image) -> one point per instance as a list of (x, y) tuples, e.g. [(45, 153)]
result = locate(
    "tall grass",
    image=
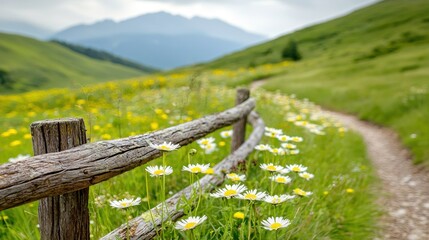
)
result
[(113, 110)]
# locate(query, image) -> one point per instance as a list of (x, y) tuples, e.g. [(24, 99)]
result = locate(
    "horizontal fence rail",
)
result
[(80, 167), (144, 229)]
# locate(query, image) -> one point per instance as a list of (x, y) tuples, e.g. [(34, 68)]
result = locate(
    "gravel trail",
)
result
[(405, 187)]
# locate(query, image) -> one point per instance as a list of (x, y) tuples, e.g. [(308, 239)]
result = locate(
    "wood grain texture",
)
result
[(239, 128), (64, 216), (143, 228), (80, 167)]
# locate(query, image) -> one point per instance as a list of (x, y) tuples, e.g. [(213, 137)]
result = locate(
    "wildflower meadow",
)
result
[(307, 179)]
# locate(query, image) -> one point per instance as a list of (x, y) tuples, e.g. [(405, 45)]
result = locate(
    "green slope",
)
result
[(373, 63), (105, 56), (367, 33), (28, 64)]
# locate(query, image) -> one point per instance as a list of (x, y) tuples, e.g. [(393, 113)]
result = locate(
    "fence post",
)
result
[(66, 216), (239, 128)]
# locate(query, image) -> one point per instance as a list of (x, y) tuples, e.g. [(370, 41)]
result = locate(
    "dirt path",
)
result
[(405, 187)]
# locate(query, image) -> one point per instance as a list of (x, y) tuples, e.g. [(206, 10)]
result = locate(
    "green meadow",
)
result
[(338, 202), (373, 63)]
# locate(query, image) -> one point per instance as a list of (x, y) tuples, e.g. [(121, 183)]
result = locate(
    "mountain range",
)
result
[(162, 40)]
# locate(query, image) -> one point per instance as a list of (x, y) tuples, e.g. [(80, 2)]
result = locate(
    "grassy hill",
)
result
[(365, 34), (373, 63), (105, 56), (28, 64)]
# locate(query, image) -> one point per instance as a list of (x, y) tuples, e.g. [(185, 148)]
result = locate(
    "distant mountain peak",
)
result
[(162, 27), (161, 23)]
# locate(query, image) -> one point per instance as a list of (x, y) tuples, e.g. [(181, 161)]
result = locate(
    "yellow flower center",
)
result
[(250, 196), (281, 179), (210, 171), (275, 226), (159, 172), (296, 169), (190, 225), (164, 147), (230, 192), (271, 168), (235, 178), (124, 204), (205, 142), (299, 192), (275, 150), (306, 176), (196, 169)]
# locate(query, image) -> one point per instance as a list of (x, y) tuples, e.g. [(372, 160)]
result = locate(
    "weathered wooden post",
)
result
[(239, 128), (66, 216)]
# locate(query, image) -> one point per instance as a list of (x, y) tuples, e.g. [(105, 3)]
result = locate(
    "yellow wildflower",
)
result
[(15, 143), (106, 136), (238, 215), (154, 125)]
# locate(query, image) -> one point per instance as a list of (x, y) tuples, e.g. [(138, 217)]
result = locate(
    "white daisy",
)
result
[(252, 195), (229, 191), (288, 145), (263, 147), (296, 139), (278, 199), (271, 167), (124, 203), (272, 132), (226, 134), (281, 179), (277, 151), (301, 192), (307, 176), (293, 152), (205, 141), (275, 223), (196, 168), (209, 148), (296, 168), (275, 130), (284, 171), (19, 158), (156, 171), (190, 223), (301, 123), (235, 177), (283, 138), (165, 146)]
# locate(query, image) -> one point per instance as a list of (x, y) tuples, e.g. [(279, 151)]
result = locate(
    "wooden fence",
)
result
[(64, 166)]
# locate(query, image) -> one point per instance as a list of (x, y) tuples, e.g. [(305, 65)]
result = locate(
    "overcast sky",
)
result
[(267, 17)]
